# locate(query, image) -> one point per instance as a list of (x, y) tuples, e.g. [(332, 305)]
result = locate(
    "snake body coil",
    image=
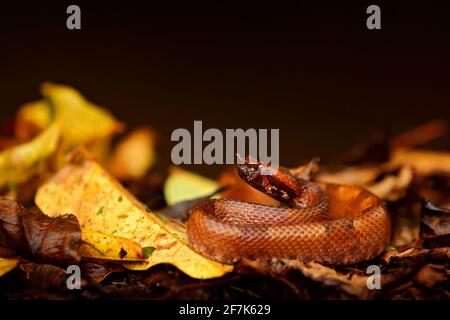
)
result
[(327, 223)]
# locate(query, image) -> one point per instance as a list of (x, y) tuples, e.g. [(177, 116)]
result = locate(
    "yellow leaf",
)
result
[(183, 185), (110, 247), (32, 118), (102, 205), (6, 265), (81, 120), (19, 163)]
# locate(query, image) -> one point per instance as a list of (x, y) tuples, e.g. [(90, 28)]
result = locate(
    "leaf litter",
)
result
[(85, 203)]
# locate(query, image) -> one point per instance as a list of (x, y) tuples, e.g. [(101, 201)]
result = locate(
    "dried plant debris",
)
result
[(98, 271), (389, 182), (436, 219), (34, 234), (71, 198)]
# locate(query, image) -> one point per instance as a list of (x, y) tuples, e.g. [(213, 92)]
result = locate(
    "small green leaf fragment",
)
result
[(161, 217), (148, 251), (100, 210), (12, 185)]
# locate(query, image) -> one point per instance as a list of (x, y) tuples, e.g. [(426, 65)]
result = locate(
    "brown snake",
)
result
[(327, 223)]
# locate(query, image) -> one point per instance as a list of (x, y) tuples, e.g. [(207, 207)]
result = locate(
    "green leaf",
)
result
[(182, 185), (148, 251), (100, 210)]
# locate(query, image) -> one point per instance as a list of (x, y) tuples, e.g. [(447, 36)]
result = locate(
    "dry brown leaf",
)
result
[(354, 284), (33, 234), (431, 274), (45, 276), (393, 185), (351, 175), (436, 220), (416, 254), (97, 272), (406, 230), (307, 171)]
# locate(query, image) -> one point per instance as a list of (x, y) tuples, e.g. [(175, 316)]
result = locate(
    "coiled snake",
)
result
[(327, 223)]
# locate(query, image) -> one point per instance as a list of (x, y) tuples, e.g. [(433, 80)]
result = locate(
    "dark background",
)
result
[(312, 70)]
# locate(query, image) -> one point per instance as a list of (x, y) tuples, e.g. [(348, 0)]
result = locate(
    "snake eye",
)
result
[(248, 172)]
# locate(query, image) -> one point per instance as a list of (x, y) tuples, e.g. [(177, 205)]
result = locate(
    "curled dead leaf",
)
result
[(97, 272), (436, 220), (45, 276), (416, 254), (30, 232), (52, 240)]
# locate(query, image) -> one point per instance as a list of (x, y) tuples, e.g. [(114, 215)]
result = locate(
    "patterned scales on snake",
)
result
[(326, 223)]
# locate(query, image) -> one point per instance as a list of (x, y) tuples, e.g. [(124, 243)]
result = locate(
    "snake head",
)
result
[(280, 185), (250, 172)]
